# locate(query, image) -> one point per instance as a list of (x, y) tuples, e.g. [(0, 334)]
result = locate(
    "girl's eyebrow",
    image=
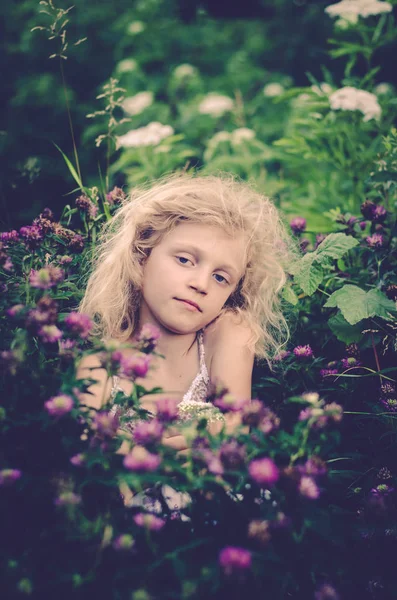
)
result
[(196, 250)]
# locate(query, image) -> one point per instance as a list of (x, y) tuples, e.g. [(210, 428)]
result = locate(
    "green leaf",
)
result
[(71, 168), (335, 246), (308, 275), (352, 302), (379, 305), (356, 304), (290, 296), (343, 330)]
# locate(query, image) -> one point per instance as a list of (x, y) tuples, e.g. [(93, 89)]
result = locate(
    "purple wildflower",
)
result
[(259, 531), (263, 471), (9, 236), (281, 355), (368, 209), (326, 592), (167, 409), (269, 421), (9, 476), (8, 265), (320, 237), (313, 467), (350, 362), (388, 389), (66, 348), (308, 488), (298, 225), (234, 559), (31, 235), (135, 365), (315, 414), (148, 432), (115, 196), (229, 403), (46, 277), (124, 541), (9, 361), (67, 499), (379, 214), (148, 336), (333, 411), (86, 206), (15, 311), (390, 404), (64, 260), (375, 240), (78, 460), (303, 352), (382, 490), (76, 243), (50, 334), (149, 521), (253, 412), (212, 461), (232, 454), (328, 372), (57, 406), (140, 459), (79, 324), (105, 424), (303, 244)]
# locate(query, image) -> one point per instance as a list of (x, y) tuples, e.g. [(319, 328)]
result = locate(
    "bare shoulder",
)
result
[(90, 367), (229, 328), (231, 359)]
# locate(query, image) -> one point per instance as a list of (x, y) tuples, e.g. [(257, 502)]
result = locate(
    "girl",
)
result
[(203, 259)]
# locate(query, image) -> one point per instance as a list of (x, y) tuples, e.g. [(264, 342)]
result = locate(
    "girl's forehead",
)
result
[(212, 241), (202, 233)]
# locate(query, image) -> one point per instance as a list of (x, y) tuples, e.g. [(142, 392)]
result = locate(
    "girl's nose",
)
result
[(199, 282)]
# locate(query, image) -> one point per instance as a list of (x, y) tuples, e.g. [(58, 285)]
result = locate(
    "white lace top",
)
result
[(196, 394)]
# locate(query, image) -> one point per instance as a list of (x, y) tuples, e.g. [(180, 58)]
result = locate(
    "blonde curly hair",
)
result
[(113, 293)]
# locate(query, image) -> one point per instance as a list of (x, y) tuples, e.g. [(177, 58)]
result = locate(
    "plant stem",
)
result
[(69, 118)]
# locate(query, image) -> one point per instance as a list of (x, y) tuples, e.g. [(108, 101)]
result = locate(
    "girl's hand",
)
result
[(176, 441)]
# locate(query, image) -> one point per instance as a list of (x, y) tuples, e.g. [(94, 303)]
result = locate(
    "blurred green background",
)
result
[(237, 48)]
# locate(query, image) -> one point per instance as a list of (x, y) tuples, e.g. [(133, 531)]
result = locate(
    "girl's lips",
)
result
[(189, 304)]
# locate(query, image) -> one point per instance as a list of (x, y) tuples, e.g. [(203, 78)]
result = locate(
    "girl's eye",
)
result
[(183, 260), (222, 279)]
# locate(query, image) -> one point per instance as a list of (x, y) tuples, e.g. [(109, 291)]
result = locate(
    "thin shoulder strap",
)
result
[(200, 341)]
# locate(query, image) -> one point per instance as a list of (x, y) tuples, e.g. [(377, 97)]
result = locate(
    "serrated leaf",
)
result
[(308, 276), (335, 246), (352, 302), (343, 330), (379, 305), (356, 304), (290, 296)]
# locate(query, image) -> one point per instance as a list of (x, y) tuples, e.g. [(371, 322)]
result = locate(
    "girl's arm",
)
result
[(232, 362)]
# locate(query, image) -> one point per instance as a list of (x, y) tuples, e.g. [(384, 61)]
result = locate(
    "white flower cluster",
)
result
[(235, 137), (184, 70), (215, 105), (189, 411), (271, 90), (151, 135), (134, 105), (127, 65), (350, 98), (352, 9), (136, 27)]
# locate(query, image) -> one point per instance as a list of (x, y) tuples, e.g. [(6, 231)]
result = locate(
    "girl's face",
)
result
[(189, 276)]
